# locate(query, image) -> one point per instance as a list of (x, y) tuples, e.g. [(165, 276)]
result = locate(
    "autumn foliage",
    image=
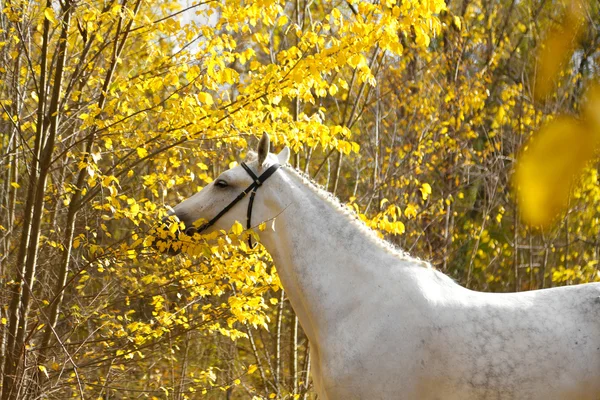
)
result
[(413, 113)]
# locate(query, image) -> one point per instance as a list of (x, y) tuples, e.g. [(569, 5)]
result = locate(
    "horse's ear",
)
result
[(263, 148), (284, 156)]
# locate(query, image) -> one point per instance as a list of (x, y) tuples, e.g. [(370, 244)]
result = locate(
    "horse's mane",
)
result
[(350, 215)]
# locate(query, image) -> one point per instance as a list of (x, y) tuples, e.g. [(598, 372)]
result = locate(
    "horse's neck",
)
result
[(327, 262)]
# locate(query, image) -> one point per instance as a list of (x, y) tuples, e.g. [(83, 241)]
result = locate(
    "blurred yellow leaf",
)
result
[(548, 167), (556, 50), (554, 54), (591, 109)]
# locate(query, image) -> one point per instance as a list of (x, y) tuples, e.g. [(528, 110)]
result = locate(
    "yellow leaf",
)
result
[(399, 228), (410, 211), (335, 13), (171, 79), (142, 152), (548, 167), (229, 75), (237, 228), (205, 98), (252, 368), (283, 20), (425, 190), (116, 9), (422, 38), (43, 369), (49, 14), (333, 89), (345, 146), (356, 60), (457, 22)]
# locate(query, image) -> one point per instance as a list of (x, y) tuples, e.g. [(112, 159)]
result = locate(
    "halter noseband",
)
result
[(258, 181)]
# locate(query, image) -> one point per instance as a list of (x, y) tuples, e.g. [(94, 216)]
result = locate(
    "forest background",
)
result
[(412, 112)]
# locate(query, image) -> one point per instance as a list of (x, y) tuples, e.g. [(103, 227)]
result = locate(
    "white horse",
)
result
[(383, 325)]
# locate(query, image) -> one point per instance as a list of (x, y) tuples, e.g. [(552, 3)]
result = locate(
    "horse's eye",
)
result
[(220, 183)]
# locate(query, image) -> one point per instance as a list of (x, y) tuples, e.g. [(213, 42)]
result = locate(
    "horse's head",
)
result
[(229, 197)]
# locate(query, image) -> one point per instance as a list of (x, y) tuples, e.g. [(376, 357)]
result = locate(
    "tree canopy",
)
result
[(413, 113)]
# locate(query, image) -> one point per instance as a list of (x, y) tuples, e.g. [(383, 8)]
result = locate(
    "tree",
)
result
[(410, 112)]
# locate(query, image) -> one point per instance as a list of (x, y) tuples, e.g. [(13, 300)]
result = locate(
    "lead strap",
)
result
[(249, 218)]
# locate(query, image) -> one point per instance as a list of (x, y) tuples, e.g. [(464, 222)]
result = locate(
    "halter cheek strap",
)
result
[(258, 181)]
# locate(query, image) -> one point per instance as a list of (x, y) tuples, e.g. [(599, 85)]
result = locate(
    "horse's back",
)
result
[(460, 344), (542, 344)]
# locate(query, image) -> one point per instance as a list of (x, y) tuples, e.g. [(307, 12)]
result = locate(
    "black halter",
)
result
[(258, 181)]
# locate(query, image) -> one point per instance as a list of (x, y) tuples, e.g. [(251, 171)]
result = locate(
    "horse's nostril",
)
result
[(190, 231)]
